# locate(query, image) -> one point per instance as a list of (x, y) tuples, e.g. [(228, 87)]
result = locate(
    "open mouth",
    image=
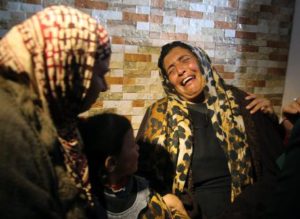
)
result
[(187, 79)]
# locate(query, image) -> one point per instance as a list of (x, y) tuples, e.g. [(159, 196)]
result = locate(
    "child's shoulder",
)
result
[(141, 182)]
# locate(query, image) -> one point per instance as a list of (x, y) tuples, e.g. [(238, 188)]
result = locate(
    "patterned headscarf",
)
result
[(57, 48), (170, 124)]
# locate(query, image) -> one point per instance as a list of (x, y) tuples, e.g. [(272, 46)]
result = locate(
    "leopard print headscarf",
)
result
[(169, 125), (57, 48)]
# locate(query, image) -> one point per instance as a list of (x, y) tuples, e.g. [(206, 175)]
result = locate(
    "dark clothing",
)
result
[(210, 173), (286, 203), (33, 179), (123, 200), (209, 161), (266, 145), (136, 200)]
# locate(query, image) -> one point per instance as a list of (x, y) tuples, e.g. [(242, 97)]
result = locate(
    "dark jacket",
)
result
[(285, 202), (33, 180)]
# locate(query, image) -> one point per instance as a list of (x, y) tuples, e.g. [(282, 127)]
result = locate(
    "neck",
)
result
[(117, 185), (199, 99)]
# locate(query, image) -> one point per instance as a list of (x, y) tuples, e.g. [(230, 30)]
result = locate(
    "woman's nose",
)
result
[(180, 69)]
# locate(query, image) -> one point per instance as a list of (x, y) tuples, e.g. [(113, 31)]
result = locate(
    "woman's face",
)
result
[(184, 73), (98, 83), (127, 161)]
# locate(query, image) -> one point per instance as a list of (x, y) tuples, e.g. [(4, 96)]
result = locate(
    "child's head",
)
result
[(109, 146)]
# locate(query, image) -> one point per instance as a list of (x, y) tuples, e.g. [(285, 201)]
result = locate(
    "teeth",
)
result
[(186, 80)]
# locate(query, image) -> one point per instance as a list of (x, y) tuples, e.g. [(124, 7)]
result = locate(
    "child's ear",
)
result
[(110, 164)]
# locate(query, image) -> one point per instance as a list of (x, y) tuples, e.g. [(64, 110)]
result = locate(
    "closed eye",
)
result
[(185, 59), (171, 71)]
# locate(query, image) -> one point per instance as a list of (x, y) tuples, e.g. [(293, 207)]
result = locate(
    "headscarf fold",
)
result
[(172, 117), (57, 48)]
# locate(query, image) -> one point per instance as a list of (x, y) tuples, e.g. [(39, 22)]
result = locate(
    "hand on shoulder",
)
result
[(259, 103), (289, 113)]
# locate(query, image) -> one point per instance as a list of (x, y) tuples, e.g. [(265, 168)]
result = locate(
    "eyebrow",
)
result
[(179, 59)]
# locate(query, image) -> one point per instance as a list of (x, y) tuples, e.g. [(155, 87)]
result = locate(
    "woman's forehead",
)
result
[(175, 54)]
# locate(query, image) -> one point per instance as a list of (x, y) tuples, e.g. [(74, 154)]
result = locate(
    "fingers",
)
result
[(254, 105), (297, 104), (288, 112), (250, 96), (292, 108), (257, 104)]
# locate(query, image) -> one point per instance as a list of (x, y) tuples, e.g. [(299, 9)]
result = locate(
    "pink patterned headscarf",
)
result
[(57, 48)]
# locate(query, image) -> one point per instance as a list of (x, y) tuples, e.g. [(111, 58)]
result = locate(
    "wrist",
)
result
[(282, 119)]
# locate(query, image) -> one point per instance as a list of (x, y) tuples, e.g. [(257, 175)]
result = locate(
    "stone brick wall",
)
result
[(248, 41)]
